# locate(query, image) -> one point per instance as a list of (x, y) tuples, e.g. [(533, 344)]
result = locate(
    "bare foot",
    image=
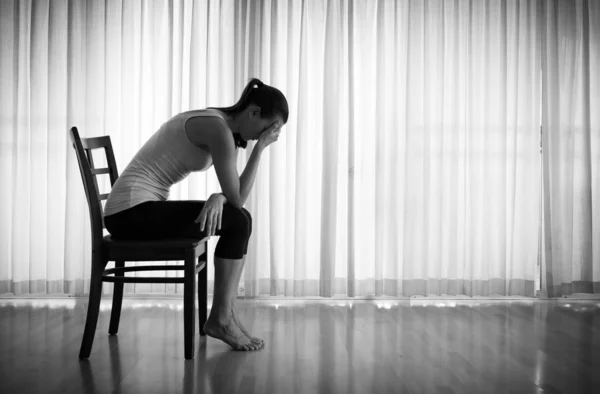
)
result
[(230, 334), (254, 340)]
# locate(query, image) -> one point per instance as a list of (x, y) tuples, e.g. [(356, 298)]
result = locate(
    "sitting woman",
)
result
[(137, 205)]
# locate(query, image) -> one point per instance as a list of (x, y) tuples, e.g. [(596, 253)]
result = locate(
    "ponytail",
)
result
[(244, 100)]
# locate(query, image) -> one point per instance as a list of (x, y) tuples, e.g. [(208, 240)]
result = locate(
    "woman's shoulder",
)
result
[(207, 121), (202, 113), (206, 127)]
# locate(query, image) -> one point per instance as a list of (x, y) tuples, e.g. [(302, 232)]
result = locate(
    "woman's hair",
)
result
[(269, 99)]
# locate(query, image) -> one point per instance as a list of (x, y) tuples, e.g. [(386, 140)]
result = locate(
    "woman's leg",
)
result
[(234, 299), (231, 250), (221, 323), (236, 318)]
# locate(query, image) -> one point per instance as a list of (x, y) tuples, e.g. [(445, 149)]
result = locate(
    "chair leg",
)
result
[(202, 292), (115, 313), (189, 304), (93, 306)]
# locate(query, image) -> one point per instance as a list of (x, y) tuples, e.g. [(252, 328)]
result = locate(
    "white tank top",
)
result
[(165, 159)]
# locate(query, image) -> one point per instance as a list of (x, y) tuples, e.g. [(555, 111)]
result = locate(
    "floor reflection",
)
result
[(312, 346)]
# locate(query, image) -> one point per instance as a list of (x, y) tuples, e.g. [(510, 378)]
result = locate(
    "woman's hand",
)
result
[(210, 216), (270, 135)]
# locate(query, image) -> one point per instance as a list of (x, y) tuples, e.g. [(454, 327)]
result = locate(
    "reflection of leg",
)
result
[(255, 340), (220, 323)]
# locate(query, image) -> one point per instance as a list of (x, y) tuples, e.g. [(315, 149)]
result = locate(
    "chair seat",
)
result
[(151, 250)]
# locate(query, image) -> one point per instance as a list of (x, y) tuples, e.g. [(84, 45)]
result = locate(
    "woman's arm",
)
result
[(222, 149), (247, 179), (248, 176), (249, 173), (236, 189)]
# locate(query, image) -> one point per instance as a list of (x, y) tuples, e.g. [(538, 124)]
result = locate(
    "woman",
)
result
[(137, 205)]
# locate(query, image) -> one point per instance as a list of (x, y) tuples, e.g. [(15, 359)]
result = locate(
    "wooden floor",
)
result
[(339, 346)]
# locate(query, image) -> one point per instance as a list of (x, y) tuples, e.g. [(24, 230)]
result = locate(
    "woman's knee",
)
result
[(249, 220), (239, 221), (234, 234)]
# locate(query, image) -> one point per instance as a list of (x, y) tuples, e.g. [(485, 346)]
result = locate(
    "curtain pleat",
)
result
[(571, 139), (410, 164)]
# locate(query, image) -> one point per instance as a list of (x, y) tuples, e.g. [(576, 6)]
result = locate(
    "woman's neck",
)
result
[(232, 121)]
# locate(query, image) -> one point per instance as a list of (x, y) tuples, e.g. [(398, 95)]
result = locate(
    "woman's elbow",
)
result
[(235, 202), (238, 205)]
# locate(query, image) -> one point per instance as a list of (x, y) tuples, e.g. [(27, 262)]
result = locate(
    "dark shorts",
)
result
[(169, 219)]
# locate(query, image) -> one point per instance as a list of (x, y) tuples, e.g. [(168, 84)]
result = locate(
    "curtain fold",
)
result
[(571, 138), (410, 164)]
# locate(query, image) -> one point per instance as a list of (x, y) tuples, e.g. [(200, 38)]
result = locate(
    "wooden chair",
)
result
[(105, 249)]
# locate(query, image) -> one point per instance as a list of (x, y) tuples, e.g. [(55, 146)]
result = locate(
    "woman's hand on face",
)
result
[(270, 135), (211, 214)]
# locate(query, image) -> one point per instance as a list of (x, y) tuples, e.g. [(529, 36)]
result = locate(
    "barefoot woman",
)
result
[(137, 206)]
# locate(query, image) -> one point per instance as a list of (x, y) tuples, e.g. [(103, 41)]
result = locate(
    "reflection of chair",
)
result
[(105, 249)]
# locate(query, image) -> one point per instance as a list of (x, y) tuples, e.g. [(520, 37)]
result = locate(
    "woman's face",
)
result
[(255, 125)]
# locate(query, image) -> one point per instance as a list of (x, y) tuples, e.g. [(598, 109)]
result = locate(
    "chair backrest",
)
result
[(83, 149)]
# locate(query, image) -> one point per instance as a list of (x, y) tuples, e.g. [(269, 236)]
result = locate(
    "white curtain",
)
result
[(571, 125), (410, 164)]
